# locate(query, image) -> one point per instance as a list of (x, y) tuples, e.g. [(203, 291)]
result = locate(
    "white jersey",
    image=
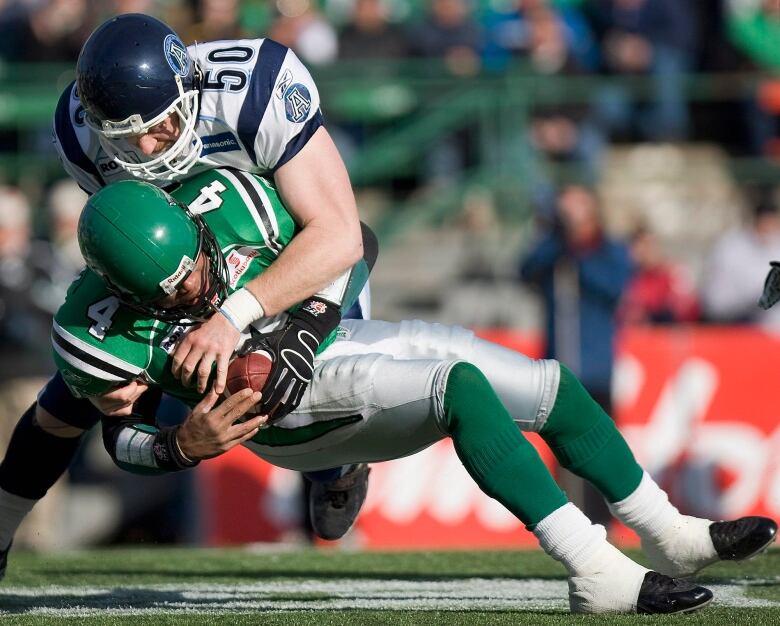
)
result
[(258, 107)]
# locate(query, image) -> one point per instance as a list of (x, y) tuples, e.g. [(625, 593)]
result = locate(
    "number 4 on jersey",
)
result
[(101, 313), (209, 198)]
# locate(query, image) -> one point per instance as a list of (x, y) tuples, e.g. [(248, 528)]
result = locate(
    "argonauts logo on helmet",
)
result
[(176, 55)]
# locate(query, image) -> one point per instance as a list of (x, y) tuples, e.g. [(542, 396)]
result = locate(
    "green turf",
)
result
[(122, 570)]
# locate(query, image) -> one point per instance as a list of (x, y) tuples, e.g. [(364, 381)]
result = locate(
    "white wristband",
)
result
[(241, 308)]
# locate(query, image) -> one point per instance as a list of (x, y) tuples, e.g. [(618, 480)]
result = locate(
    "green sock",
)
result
[(494, 451), (586, 441)]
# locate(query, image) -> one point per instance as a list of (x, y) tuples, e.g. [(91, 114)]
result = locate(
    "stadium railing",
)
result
[(399, 110)]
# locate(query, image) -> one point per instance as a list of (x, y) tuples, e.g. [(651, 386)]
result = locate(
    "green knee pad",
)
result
[(494, 451), (586, 441)]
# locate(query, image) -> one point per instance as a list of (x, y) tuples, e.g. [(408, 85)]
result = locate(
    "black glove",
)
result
[(771, 286), (292, 349)]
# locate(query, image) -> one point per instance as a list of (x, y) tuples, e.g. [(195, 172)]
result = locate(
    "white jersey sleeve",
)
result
[(73, 141), (260, 89)]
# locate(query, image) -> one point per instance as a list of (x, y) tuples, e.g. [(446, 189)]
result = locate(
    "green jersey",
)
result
[(99, 344)]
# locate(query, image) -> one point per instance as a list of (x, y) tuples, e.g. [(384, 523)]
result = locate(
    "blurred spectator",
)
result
[(754, 27), (119, 7), (737, 265), (64, 261), (29, 288), (179, 14), (449, 32), (24, 327), (25, 363), (561, 134), (737, 124), (214, 20), (582, 274), (369, 34), (49, 31), (754, 30), (302, 27), (717, 49), (660, 291), (524, 28), (654, 38)]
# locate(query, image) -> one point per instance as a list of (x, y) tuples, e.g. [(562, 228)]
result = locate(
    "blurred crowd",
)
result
[(660, 39), (590, 281)]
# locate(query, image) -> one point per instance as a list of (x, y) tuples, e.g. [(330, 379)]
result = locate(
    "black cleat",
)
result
[(742, 538), (334, 505), (662, 594), (4, 560)]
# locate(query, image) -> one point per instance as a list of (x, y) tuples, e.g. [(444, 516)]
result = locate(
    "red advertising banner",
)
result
[(695, 403), (699, 409)]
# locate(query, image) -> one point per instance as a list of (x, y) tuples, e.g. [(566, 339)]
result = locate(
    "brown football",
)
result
[(251, 371)]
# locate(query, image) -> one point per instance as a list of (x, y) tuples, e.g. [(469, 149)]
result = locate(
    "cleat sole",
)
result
[(758, 552), (691, 609)]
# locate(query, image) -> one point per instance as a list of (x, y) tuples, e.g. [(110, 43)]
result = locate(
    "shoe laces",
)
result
[(729, 533), (657, 583)]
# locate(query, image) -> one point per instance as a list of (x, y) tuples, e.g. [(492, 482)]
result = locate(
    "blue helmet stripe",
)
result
[(269, 61), (295, 145), (66, 134)]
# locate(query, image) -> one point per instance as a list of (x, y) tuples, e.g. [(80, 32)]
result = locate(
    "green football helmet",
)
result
[(144, 244)]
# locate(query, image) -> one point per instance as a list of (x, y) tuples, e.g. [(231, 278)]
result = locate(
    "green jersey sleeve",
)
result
[(97, 343)]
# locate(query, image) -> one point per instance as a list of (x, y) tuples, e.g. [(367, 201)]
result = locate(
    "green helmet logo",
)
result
[(144, 244)]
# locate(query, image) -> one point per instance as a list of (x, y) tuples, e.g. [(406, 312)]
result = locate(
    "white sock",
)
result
[(676, 544), (647, 511), (13, 510), (601, 578), (569, 537)]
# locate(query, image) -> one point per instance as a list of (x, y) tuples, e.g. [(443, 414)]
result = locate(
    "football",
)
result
[(251, 371)]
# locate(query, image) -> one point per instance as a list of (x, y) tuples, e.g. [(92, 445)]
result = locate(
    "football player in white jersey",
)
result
[(146, 106)]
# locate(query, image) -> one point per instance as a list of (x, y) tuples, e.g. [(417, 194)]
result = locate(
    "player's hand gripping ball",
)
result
[(250, 370)]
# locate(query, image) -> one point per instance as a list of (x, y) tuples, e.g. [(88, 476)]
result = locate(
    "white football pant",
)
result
[(377, 394)]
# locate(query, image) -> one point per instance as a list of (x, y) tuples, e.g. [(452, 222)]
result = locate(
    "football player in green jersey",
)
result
[(381, 391), (227, 228)]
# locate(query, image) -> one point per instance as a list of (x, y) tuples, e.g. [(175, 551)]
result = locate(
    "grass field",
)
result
[(324, 587)]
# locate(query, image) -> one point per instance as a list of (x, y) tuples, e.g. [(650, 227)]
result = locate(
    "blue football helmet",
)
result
[(132, 73)]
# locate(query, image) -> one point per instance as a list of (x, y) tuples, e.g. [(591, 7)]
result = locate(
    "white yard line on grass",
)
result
[(314, 594)]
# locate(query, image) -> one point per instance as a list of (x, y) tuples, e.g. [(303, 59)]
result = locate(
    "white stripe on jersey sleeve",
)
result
[(269, 238), (276, 129), (266, 210), (99, 355), (86, 367), (135, 447)]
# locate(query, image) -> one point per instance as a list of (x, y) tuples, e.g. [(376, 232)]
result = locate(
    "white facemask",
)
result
[(172, 163)]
